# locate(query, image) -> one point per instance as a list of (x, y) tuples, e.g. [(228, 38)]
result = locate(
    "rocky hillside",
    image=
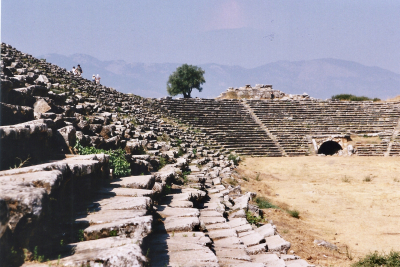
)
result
[(153, 193)]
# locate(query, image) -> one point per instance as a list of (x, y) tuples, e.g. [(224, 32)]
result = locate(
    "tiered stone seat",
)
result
[(226, 122), (292, 121)]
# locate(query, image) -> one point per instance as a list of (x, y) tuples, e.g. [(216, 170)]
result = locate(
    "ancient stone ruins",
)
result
[(58, 208)]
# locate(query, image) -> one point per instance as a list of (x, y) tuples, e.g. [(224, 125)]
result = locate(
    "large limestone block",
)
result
[(243, 228), (219, 207), (228, 242), (298, 263), (241, 202), (217, 226), (211, 213), (203, 257), (139, 182), (111, 251), (211, 220), (68, 134), (106, 216), (218, 234), (257, 249), (128, 192), (252, 239), (180, 204), (41, 106), (182, 238), (231, 253), (125, 203), (237, 222), (166, 211), (277, 244), (271, 260), (266, 230), (138, 227), (181, 224)]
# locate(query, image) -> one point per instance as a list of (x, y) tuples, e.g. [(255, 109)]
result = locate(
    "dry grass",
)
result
[(334, 201), (365, 140)]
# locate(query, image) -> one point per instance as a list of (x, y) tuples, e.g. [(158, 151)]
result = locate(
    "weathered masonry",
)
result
[(293, 127)]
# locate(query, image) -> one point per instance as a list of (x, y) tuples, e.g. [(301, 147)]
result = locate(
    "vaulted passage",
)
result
[(329, 148)]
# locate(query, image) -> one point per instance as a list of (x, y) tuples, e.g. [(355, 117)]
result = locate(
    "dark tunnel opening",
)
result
[(329, 148)]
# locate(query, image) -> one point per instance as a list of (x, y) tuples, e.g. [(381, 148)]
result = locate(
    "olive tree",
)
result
[(184, 80)]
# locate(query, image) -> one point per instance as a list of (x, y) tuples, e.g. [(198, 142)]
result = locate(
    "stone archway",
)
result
[(329, 148)]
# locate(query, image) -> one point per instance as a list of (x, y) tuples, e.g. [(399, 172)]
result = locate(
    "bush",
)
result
[(234, 158), (349, 97), (375, 259), (294, 213), (118, 162), (253, 219), (263, 203)]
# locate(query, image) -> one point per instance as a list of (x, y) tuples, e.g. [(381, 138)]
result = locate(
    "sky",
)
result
[(247, 33)]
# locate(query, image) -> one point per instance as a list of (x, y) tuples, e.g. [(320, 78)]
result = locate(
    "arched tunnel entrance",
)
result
[(329, 148)]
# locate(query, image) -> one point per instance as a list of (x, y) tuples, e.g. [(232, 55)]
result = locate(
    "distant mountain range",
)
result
[(320, 78)]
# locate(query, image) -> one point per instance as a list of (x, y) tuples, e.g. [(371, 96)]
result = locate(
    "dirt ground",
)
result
[(352, 202)]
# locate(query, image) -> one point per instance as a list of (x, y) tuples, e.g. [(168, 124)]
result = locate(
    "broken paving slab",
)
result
[(266, 230), (139, 182), (211, 213), (277, 244), (257, 249), (218, 234), (270, 259), (181, 224), (219, 207), (181, 204), (232, 253), (106, 216), (211, 220), (182, 237), (138, 227), (243, 228), (166, 211), (204, 257), (124, 203), (237, 222), (216, 226), (112, 251), (128, 192), (228, 242), (252, 239), (298, 263)]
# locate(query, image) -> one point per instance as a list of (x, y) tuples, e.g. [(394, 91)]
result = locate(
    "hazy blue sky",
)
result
[(232, 32)]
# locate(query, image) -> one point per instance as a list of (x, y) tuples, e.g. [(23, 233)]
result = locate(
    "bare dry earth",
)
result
[(348, 201)]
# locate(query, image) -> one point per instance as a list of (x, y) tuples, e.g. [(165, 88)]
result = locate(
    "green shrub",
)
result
[(349, 97), (253, 219), (163, 162), (375, 259), (263, 203), (234, 158), (118, 161), (294, 213)]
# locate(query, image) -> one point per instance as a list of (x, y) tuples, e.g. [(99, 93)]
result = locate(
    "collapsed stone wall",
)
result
[(259, 91)]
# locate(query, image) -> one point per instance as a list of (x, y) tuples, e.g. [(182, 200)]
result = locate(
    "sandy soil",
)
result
[(348, 201)]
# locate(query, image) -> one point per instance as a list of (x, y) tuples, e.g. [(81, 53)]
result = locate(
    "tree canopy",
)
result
[(184, 80)]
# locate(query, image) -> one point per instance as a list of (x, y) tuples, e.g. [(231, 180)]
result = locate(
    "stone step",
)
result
[(137, 227), (139, 182)]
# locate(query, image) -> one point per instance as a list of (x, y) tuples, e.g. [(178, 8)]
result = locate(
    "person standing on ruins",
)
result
[(94, 80), (73, 70), (79, 70), (98, 79)]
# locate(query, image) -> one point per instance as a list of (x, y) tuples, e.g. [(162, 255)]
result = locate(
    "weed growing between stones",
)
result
[(180, 152), (81, 235), (113, 233), (253, 219), (163, 162), (184, 176), (376, 259), (118, 162), (22, 163)]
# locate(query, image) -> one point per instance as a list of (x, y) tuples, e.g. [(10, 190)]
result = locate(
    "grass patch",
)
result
[(376, 259), (232, 182), (294, 213), (367, 178), (346, 179), (181, 152), (264, 203)]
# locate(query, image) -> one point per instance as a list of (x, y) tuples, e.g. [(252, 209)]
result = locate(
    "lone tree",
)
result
[(184, 80)]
